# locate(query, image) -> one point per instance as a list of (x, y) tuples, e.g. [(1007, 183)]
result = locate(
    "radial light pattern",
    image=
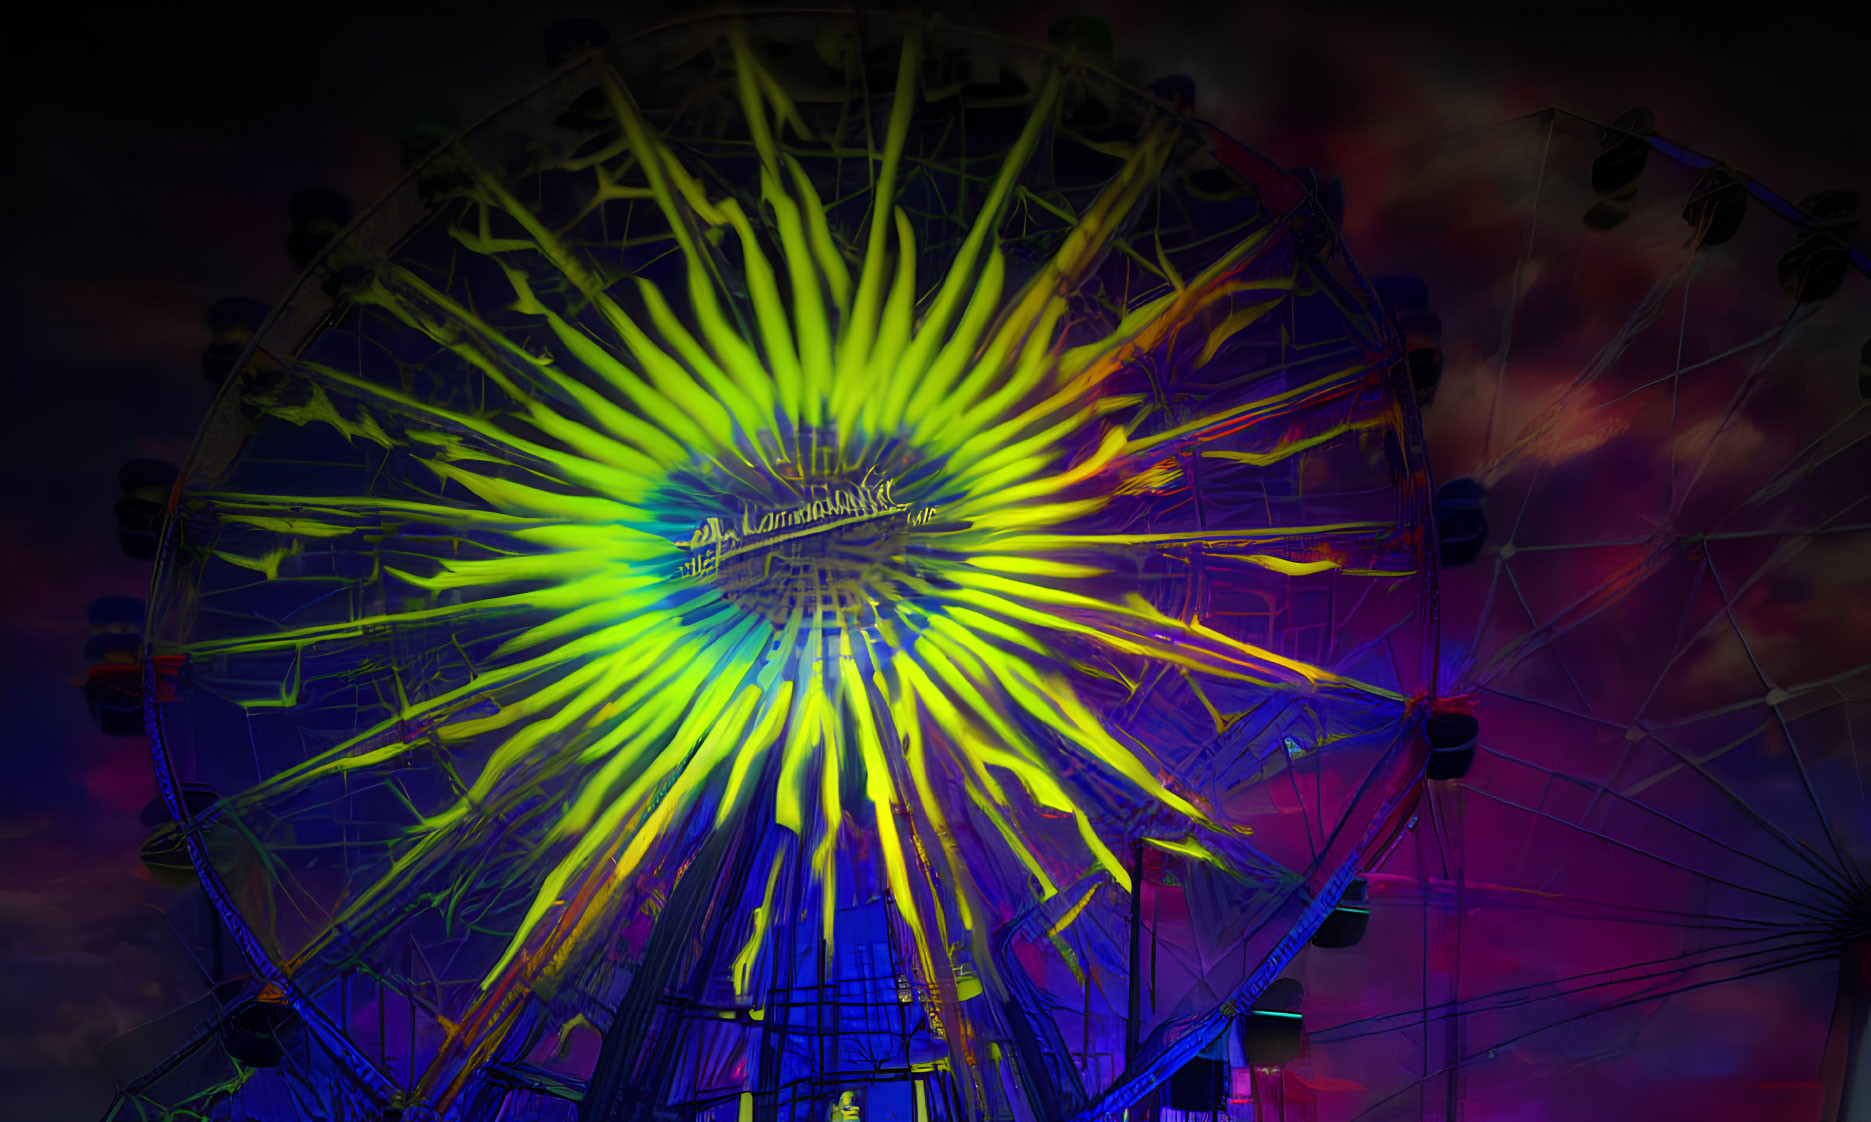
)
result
[(812, 480)]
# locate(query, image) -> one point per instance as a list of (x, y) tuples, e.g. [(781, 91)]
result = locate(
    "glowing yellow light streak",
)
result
[(638, 673)]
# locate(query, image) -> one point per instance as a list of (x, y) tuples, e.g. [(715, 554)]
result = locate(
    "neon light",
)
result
[(809, 545)]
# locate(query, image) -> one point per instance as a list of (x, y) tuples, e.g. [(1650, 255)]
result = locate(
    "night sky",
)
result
[(151, 152)]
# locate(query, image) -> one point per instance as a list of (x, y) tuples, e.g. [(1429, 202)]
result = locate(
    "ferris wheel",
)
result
[(1649, 896), (733, 589), (832, 566)]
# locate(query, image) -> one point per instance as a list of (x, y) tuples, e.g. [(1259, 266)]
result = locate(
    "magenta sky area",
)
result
[(149, 157)]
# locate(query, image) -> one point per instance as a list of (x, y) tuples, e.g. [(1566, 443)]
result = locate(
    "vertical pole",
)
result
[(614, 1088), (1133, 1013), (824, 972), (1452, 1102), (1148, 1109), (409, 1005), (1423, 883), (903, 1008), (1845, 1071), (781, 993)]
